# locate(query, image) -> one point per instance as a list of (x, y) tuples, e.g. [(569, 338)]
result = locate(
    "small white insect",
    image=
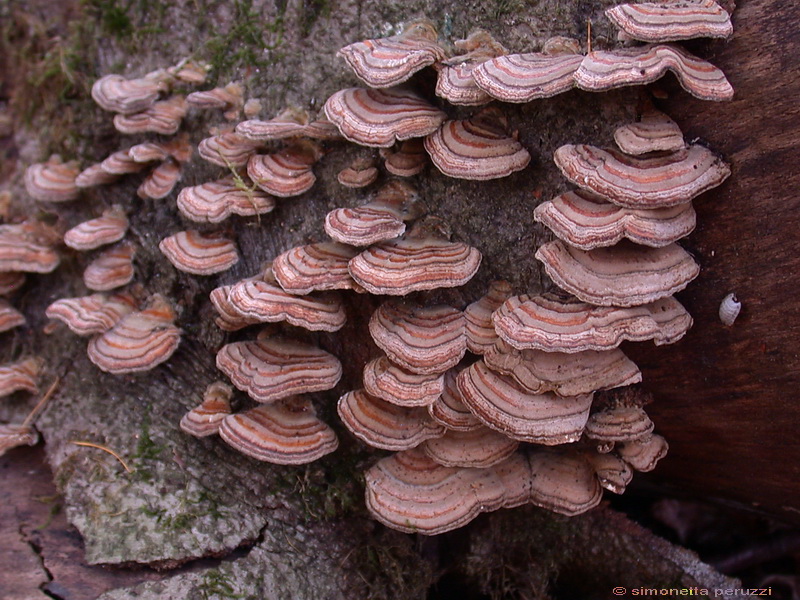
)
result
[(729, 309)]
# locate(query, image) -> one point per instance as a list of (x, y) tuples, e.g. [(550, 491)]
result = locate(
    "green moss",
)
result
[(216, 584)]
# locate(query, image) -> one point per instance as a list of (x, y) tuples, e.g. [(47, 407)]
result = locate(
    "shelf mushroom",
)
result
[(215, 201), (199, 253), (385, 62), (671, 21), (107, 229), (291, 122), (205, 419), (95, 314), (52, 181), (111, 269), (315, 267), (20, 376), (287, 172), (28, 247)]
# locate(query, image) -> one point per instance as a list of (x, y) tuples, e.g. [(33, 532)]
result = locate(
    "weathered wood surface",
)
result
[(726, 396)]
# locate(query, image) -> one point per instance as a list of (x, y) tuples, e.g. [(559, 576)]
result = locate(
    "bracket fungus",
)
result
[(565, 374), (379, 118), (604, 70), (20, 376), (450, 410), (262, 300), (408, 160), (658, 182), (215, 201), (392, 383), (506, 406), (27, 247), (107, 229), (379, 220), (10, 282), (554, 325), (410, 492), (111, 269), (87, 315), (587, 221), (205, 419), (564, 481), (525, 77), (119, 163), (229, 98), (287, 172), (671, 21), (285, 433), (126, 96), (622, 275), (10, 317), (480, 448), (421, 339), (139, 341), (160, 181), (384, 425), (272, 368), (619, 424), (161, 117), (52, 181), (643, 454), (229, 150), (455, 82), (653, 132), (480, 331), (358, 174), (423, 259), (291, 122), (199, 253), (315, 267), (477, 148), (385, 62)]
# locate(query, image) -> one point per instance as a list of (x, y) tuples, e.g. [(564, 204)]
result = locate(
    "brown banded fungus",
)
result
[(450, 410), (229, 98), (653, 132), (272, 368), (505, 406), (87, 315), (604, 70), (12, 436), (480, 448), (111, 269), (554, 325), (379, 220), (10, 317), (161, 117), (622, 275), (671, 21), (229, 150), (10, 282), (409, 160), (565, 374), (360, 173), (564, 481), (20, 376), (292, 122), (421, 339), (160, 181), (117, 94), (410, 492), (385, 425), (619, 424), (379, 118), (314, 267), (455, 82), (205, 419), (52, 181), (394, 384), (643, 454), (423, 259), (530, 76), (262, 300), (95, 175), (107, 229), (287, 172), (27, 247), (479, 148), (139, 341), (479, 327), (120, 163), (215, 201), (385, 62), (587, 221), (636, 183), (285, 433), (199, 253)]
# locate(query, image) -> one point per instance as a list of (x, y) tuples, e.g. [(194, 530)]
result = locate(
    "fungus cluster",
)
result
[(513, 400)]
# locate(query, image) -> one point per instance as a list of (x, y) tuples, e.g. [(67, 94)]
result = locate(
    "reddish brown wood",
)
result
[(726, 397)]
